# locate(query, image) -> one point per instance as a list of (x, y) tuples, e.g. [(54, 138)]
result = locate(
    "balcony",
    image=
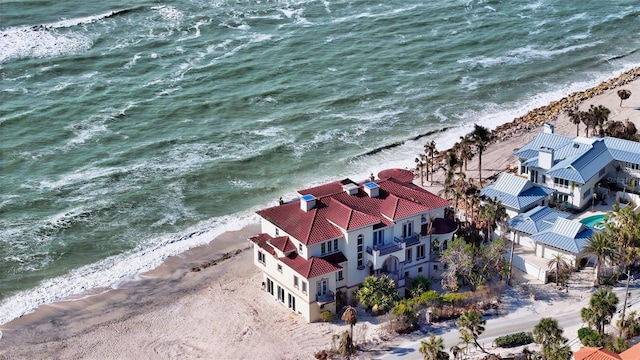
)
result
[(327, 298), (412, 240)]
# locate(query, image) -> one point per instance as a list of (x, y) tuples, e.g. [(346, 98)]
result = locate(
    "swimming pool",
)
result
[(594, 221)]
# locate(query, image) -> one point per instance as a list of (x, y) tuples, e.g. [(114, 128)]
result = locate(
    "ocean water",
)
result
[(129, 133)]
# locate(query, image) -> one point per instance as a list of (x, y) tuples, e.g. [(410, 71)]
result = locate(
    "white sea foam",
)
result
[(29, 42), (115, 270)]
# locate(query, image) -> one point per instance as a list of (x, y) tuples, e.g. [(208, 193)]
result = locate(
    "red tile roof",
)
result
[(402, 175), (591, 353), (283, 244), (310, 268), (335, 209), (262, 241), (632, 353)]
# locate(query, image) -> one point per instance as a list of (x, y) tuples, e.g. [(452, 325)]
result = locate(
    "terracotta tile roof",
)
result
[(262, 241), (348, 218), (335, 209), (591, 353), (310, 268), (283, 244), (632, 353)]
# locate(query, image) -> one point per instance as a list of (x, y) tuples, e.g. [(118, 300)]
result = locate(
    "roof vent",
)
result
[(350, 188), (307, 202), (372, 189)]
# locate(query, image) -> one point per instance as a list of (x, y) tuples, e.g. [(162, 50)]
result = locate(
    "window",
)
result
[(378, 237), (586, 194), (406, 274), (533, 176), (261, 258), (280, 267), (304, 287), (280, 294), (277, 231), (360, 250), (420, 269), (435, 267), (420, 252), (291, 301), (270, 286), (408, 255), (321, 287), (295, 281), (407, 229), (563, 183), (339, 276), (300, 247), (523, 169), (329, 247)]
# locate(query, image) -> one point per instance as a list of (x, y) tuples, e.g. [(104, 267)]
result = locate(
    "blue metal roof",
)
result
[(565, 234), (538, 219), (623, 150), (515, 192), (582, 167), (542, 140)]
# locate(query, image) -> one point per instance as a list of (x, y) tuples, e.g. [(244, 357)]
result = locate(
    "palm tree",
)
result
[(554, 345), (430, 151), (433, 348), (377, 293), (471, 323), (603, 247), (350, 316), (599, 116), (492, 213), (480, 137), (560, 265), (465, 151), (575, 116), (602, 305), (624, 94)]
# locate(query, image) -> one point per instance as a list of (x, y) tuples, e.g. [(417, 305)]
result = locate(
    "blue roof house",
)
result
[(516, 193), (575, 166), (566, 237), (523, 226)]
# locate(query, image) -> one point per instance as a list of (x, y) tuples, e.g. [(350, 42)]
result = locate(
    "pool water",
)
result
[(595, 221)]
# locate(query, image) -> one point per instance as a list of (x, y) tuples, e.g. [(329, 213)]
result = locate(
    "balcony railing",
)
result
[(329, 297), (409, 241), (384, 249)]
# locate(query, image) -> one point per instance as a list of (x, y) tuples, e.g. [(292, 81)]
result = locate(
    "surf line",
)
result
[(400, 142)]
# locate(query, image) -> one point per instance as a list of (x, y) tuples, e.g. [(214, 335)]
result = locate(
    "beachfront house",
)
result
[(315, 250), (516, 193), (576, 167)]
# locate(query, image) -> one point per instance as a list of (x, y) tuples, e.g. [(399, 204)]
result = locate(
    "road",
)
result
[(506, 324)]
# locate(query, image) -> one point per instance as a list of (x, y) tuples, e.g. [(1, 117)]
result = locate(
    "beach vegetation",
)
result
[(350, 316), (406, 312), (419, 285), (623, 94), (575, 116), (470, 264), (377, 294), (550, 335), (513, 340), (432, 348), (479, 137), (602, 246), (590, 337), (602, 305), (471, 324), (561, 268), (617, 345), (327, 316), (491, 214)]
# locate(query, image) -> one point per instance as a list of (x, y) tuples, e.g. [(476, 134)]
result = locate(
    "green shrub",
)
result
[(590, 337), (430, 298), (405, 311), (454, 298), (513, 340), (419, 285), (327, 316)]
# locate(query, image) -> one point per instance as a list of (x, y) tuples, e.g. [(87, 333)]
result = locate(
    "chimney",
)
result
[(545, 158), (307, 202), (372, 189), (350, 188), (548, 128)]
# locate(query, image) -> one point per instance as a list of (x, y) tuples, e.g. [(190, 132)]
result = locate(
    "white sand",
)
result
[(221, 312)]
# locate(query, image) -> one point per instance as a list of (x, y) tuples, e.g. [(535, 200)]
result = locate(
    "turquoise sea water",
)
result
[(129, 133)]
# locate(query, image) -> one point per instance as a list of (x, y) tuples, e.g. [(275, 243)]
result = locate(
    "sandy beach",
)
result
[(220, 312)]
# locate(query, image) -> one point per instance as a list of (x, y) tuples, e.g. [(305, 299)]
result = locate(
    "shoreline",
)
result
[(83, 326)]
